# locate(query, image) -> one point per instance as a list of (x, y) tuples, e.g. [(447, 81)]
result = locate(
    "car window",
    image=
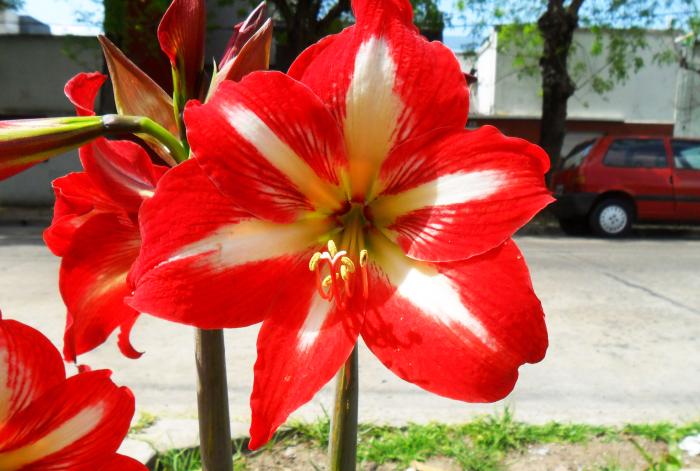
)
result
[(636, 153), (686, 154), (574, 158)]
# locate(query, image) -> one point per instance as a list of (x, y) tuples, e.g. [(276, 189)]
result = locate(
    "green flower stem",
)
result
[(342, 444), (117, 124), (179, 101), (212, 401)]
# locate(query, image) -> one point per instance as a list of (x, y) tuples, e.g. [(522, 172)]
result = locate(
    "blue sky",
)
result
[(64, 15), (69, 16)]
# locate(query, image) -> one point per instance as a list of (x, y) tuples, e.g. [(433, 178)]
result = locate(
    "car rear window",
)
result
[(576, 156), (636, 153), (686, 154)]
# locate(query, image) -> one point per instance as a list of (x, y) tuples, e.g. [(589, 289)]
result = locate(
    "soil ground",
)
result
[(596, 455)]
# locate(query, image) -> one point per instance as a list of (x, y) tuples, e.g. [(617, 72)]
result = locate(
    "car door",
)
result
[(686, 178), (641, 167)]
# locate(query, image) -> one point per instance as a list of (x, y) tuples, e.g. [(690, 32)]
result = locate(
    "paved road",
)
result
[(623, 316)]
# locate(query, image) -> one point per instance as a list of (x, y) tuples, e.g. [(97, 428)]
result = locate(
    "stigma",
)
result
[(336, 274)]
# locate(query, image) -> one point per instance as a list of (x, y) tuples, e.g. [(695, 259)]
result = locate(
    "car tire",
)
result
[(573, 226), (611, 218)]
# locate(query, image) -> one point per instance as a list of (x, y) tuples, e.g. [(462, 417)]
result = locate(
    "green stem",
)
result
[(117, 124), (212, 401), (342, 444), (179, 100)]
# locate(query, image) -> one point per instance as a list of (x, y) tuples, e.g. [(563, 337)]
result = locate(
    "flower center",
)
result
[(337, 274)]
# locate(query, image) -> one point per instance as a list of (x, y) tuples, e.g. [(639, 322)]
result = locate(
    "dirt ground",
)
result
[(596, 455)]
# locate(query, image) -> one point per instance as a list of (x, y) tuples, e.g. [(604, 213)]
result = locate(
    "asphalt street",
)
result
[(623, 319)]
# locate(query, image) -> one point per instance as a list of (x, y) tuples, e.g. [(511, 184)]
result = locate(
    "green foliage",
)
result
[(427, 15), (11, 4), (619, 29), (479, 445), (145, 420)]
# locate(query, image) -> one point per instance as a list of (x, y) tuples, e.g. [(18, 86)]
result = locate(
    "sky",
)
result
[(69, 17)]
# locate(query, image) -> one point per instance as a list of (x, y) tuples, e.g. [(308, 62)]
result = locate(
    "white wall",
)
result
[(647, 96), (33, 72)]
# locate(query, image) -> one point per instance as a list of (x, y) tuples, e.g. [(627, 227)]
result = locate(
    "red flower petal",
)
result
[(458, 329), (300, 348), (453, 194), (82, 90), (76, 197), (122, 463), (206, 263), (93, 281), (122, 170), (270, 145), (181, 37), (75, 425), (29, 366), (384, 84)]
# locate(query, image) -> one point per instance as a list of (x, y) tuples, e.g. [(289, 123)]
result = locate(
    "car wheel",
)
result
[(612, 218), (573, 226)]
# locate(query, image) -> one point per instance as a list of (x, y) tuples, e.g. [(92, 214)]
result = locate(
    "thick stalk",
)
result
[(212, 401), (342, 444), (115, 124)]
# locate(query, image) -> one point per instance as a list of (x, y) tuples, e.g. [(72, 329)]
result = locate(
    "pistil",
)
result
[(338, 283)]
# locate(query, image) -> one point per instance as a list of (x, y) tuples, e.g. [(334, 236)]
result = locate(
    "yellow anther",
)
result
[(363, 258), (327, 281), (348, 263), (313, 263), (344, 272), (332, 249)]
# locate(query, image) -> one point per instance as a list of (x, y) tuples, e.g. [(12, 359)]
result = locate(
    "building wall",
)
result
[(647, 96), (33, 72)]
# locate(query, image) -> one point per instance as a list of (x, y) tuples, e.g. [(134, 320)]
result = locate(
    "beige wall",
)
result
[(33, 72), (647, 96)]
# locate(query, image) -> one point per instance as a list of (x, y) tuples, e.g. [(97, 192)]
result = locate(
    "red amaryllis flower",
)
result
[(366, 209), (95, 232), (248, 48), (50, 422)]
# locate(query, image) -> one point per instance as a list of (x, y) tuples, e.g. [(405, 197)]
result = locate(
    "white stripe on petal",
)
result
[(428, 290), (282, 157), (251, 241), (63, 436), (455, 188), (318, 313), (372, 112)]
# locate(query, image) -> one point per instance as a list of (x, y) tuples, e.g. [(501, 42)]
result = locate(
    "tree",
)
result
[(546, 29), (11, 4)]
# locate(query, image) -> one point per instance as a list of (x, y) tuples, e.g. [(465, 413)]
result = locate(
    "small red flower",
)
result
[(95, 232), (50, 422), (348, 200)]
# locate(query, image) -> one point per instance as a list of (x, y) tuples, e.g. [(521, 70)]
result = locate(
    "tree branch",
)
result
[(284, 9), (575, 6), (333, 14)]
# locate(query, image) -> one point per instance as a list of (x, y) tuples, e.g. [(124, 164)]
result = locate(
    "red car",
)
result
[(610, 182)]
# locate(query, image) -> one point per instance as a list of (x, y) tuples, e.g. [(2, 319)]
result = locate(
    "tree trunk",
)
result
[(557, 26)]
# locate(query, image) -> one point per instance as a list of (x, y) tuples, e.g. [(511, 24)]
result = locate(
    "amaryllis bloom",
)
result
[(50, 422), (348, 200), (95, 232), (248, 48)]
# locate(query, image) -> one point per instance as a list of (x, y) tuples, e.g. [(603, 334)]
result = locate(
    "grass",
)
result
[(144, 421), (479, 445)]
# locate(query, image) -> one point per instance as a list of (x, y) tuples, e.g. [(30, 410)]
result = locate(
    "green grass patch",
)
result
[(479, 445)]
